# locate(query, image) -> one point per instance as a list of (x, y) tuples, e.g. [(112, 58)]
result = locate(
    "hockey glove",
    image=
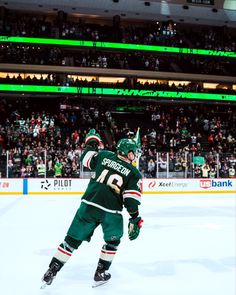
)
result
[(134, 227), (93, 138)]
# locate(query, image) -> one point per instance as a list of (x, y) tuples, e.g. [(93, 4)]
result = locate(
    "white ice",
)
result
[(187, 247)]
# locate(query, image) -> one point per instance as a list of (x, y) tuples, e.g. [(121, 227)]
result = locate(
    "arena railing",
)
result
[(166, 165)]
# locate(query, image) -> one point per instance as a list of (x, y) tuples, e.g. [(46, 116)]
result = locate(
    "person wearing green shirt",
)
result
[(116, 184), (58, 169)]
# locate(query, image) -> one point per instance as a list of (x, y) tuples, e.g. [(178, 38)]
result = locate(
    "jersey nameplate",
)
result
[(116, 166)]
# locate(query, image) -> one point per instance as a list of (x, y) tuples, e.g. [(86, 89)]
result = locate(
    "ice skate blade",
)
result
[(44, 286), (97, 284)]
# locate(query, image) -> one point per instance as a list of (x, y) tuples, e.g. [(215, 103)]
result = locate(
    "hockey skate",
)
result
[(50, 274), (101, 277)]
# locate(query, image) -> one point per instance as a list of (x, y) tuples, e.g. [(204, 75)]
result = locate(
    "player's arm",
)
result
[(132, 200), (92, 143)]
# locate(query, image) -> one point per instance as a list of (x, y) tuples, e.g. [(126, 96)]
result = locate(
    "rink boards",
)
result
[(150, 186)]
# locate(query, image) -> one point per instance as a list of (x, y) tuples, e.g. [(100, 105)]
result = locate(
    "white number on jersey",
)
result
[(115, 181)]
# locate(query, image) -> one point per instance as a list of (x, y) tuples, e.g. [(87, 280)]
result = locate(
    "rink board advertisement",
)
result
[(189, 186), (11, 186), (57, 186), (150, 186)]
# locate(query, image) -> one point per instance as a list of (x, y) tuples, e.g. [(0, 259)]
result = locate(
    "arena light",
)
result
[(111, 45), (154, 94)]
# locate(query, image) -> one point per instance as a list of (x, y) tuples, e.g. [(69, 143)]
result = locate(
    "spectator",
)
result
[(197, 171), (10, 169), (75, 137), (212, 173), (41, 169), (151, 167), (231, 172), (29, 172), (58, 168), (224, 171), (205, 170)]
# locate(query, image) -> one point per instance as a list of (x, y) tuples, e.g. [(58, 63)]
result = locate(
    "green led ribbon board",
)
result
[(110, 45), (117, 92)]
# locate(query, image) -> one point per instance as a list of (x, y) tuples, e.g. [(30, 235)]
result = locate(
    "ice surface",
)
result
[(187, 247)]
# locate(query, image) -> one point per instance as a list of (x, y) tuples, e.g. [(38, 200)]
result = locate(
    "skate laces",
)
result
[(54, 268)]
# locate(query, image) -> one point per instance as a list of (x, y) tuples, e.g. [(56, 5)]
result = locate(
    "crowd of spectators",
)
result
[(138, 60), (183, 132), (32, 137), (160, 33), (43, 26), (56, 137)]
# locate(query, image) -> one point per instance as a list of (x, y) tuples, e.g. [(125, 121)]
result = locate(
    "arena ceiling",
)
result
[(222, 12)]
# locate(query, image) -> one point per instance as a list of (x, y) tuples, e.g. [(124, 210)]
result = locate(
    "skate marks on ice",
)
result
[(7, 204), (186, 247)]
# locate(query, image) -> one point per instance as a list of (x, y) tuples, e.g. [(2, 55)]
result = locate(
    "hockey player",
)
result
[(115, 184)]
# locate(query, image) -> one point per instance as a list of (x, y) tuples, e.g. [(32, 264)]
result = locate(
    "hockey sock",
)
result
[(107, 255), (64, 252), (72, 242)]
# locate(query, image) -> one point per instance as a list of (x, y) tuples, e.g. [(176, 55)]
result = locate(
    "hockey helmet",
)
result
[(126, 145)]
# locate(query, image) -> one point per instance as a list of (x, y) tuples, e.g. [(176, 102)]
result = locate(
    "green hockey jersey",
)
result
[(116, 183)]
